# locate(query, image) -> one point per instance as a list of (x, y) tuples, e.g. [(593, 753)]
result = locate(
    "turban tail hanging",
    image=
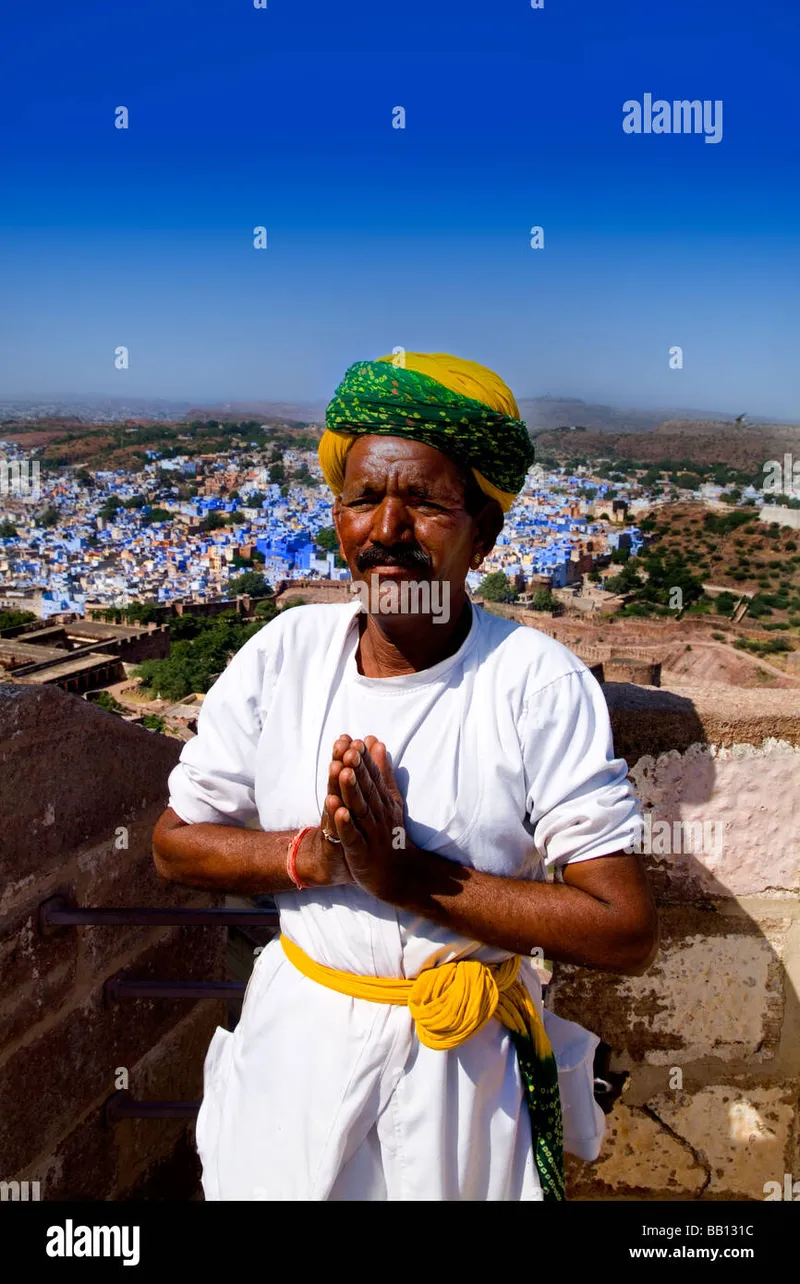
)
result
[(455, 406)]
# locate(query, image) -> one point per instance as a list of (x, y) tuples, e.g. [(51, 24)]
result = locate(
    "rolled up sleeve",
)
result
[(214, 779), (579, 802)]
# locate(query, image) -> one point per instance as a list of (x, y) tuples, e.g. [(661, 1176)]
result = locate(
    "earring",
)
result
[(476, 560)]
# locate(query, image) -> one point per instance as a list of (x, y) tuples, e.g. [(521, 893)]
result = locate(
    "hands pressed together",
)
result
[(364, 810)]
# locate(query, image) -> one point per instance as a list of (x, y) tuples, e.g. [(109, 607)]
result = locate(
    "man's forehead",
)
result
[(373, 458)]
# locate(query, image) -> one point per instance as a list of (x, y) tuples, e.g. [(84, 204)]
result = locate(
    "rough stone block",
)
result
[(72, 1063), (741, 1135), (175, 1177), (171, 1071), (110, 876), (83, 1165), (723, 822), (640, 1159), (74, 772), (37, 973), (716, 989)]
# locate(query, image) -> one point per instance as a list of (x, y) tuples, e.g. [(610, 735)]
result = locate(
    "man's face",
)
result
[(401, 514)]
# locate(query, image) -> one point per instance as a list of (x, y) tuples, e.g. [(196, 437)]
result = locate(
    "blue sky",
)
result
[(382, 237)]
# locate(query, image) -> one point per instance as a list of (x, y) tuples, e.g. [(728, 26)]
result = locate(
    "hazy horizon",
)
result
[(318, 407)]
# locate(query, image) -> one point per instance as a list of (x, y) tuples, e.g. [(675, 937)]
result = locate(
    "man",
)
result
[(471, 814)]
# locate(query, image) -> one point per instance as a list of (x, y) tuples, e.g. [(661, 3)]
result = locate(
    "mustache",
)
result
[(410, 558)]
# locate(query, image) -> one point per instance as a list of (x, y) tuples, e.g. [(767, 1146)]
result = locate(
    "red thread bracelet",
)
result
[(291, 858)]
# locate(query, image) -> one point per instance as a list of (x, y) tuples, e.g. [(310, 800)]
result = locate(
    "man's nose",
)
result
[(391, 520)]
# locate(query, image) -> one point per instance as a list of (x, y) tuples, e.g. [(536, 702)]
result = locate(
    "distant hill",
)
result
[(543, 413), (539, 413), (547, 413), (272, 412), (704, 441), (563, 427)]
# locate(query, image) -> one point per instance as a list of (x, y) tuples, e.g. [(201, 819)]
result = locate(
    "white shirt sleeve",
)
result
[(579, 801), (214, 779)]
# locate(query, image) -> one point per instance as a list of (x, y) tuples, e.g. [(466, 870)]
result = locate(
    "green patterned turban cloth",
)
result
[(455, 406)]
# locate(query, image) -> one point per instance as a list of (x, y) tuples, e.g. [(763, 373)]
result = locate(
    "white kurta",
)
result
[(503, 754)]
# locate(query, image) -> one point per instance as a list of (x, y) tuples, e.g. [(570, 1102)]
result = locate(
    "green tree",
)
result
[(12, 619), (109, 507), (724, 603), (250, 584), (7, 529), (542, 600), (153, 722), (105, 700), (194, 663), (143, 613), (266, 611), (327, 539), (496, 587), (627, 581), (157, 515)]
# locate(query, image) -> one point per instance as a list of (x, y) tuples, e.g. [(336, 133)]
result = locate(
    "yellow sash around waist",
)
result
[(448, 1003)]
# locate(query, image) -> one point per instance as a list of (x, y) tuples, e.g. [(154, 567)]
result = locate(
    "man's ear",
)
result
[(490, 521), (337, 510)]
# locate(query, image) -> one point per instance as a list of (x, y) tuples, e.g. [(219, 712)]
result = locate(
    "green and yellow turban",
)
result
[(456, 406)]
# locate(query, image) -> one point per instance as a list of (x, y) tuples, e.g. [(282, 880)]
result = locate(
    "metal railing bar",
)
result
[(123, 1106), (130, 988), (57, 912)]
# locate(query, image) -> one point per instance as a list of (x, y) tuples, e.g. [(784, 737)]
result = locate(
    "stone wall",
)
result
[(623, 668), (81, 791), (711, 1033), (152, 645), (783, 516), (337, 591)]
